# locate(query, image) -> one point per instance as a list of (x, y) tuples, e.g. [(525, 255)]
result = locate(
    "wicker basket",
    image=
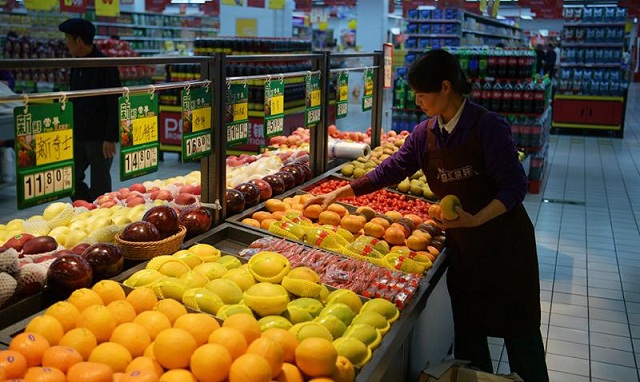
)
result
[(146, 250)]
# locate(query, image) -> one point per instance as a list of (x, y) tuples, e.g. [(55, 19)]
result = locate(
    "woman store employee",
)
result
[(467, 151)]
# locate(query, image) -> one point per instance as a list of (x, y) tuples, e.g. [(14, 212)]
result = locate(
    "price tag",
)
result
[(273, 107), (40, 5), (236, 115), (109, 8), (313, 100), (196, 123), (387, 50), (44, 153), (77, 6), (367, 95), (342, 104), (138, 135)]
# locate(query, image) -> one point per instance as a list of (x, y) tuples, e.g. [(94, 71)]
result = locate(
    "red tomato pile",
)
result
[(381, 201)]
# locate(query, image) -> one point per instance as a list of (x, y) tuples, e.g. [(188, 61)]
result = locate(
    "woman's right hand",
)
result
[(330, 197)]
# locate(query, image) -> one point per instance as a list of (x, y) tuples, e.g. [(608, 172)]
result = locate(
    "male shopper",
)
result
[(95, 118)]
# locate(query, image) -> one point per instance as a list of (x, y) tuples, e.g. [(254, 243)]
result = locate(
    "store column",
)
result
[(372, 27)]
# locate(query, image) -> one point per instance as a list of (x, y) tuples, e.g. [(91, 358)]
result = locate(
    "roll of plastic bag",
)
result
[(348, 150)]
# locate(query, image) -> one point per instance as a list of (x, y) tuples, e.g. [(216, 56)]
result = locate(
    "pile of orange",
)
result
[(101, 334)]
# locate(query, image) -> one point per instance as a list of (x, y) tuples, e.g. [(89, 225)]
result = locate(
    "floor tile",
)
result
[(566, 377), (569, 335), (605, 303), (606, 293), (569, 349), (609, 327), (570, 310), (571, 322), (610, 341), (612, 372), (568, 364), (607, 315), (613, 356)]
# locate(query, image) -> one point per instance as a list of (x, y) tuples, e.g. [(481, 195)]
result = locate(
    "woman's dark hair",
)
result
[(428, 72)]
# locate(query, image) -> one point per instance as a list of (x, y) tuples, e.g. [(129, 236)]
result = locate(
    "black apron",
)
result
[(493, 275)]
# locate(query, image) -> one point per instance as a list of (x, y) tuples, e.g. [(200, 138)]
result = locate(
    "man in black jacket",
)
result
[(95, 118)]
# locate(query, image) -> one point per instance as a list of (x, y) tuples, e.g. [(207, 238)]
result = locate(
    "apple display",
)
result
[(161, 195), (138, 187), (296, 172), (39, 244), (263, 187), (164, 218), (68, 273), (79, 248), (140, 231), (235, 201), (288, 179), (17, 242), (251, 193), (308, 174), (185, 199), (196, 220), (106, 259), (276, 183)]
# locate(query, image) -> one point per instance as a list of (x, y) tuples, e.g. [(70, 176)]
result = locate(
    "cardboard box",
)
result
[(459, 371)]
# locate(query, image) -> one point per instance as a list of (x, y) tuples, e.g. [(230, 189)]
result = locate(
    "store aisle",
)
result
[(587, 223)]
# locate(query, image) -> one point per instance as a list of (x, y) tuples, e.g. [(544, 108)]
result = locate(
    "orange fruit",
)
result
[(142, 299), (138, 376), (374, 229), (173, 348), (232, 339), (344, 370), (273, 205), (277, 215), (245, 323), (144, 363), (48, 326), (287, 340), (171, 308), (381, 222), (81, 339), (339, 209), (251, 222), (90, 371), (199, 325), (250, 368), (117, 377), (329, 217), (65, 312), (13, 363), (210, 363), (84, 297), (112, 354), (44, 374), (321, 379), (100, 320), (261, 215), (109, 291), (267, 222), (271, 350), (394, 236), (290, 373), (61, 357), (148, 352), (31, 345), (312, 211), (394, 215), (132, 336), (153, 321), (123, 310), (178, 375), (316, 357)]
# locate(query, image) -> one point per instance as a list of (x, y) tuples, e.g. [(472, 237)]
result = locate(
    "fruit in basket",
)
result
[(196, 220), (264, 188), (140, 231), (276, 183), (449, 207), (266, 298), (39, 244), (250, 192), (288, 178), (106, 259), (164, 218), (235, 201), (18, 241), (69, 272)]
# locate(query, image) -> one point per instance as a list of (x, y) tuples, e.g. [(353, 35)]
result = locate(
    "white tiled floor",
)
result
[(587, 218)]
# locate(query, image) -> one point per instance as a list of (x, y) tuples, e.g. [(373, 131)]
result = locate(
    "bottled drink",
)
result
[(463, 58), (503, 62), (474, 64), (539, 97), (527, 97), (507, 97), (487, 94), (516, 104), (496, 97), (410, 101), (482, 63), (523, 67), (512, 64), (476, 92), (399, 92), (492, 63)]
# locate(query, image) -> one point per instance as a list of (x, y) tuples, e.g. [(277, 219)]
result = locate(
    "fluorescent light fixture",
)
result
[(499, 17), (526, 17)]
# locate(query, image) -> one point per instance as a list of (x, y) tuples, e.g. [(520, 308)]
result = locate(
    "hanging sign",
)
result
[(313, 99), (276, 4), (367, 95), (255, 3), (138, 135), (107, 8), (387, 51), (40, 5), (236, 114), (211, 8), (273, 107), (342, 104), (196, 123), (157, 6), (75, 6), (233, 2), (44, 151)]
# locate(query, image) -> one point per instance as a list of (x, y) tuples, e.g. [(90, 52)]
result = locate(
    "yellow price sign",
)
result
[(201, 119), (276, 4), (344, 93), (40, 5), (145, 130), (277, 105), (315, 98), (110, 8), (54, 146), (239, 112)]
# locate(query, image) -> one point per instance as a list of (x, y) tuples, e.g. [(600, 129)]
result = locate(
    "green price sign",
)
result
[(313, 100), (367, 95), (236, 115), (273, 108), (342, 104), (44, 150), (138, 135), (196, 123)]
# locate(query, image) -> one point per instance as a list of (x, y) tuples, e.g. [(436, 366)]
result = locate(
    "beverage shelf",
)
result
[(594, 24)]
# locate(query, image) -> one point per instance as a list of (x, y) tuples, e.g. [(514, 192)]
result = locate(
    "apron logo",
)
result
[(456, 174)]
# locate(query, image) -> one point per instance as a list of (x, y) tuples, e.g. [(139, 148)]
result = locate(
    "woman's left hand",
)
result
[(464, 220)]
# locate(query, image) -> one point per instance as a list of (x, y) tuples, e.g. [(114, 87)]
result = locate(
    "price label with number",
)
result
[(138, 135), (196, 123), (273, 107), (44, 151), (40, 5), (342, 104), (236, 114), (110, 8), (313, 100), (77, 6), (367, 95)]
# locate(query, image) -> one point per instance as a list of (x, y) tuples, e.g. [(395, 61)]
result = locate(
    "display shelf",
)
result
[(489, 34), (592, 45), (433, 35), (589, 65), (593, 24)]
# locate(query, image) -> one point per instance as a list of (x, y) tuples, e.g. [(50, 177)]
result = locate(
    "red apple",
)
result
[(161, 195), (164, 218), (276, 183), (106, 259), (140, 231), (138, 187), (196, 220), (288, 178), (68, 273), (18, 241), (185, 199), (251, 193), (263, 187), (187, 189), (296, 172), (134, 201), (83, 203), (235, 201), (40, 244), (79, 248)]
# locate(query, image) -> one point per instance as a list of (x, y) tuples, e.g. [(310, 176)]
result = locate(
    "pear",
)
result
[(404, 186), (347, 170)]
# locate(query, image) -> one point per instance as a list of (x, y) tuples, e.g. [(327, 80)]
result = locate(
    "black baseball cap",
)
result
[(79, 27)]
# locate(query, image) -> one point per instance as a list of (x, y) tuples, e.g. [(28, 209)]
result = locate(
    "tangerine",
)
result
[(231, 338), (171, 308), (210, 363), (137, 376), (339, 209), (123, 310), (199, 325), (81, 339), (271, 350), (246, 324), (250, 368), (100, 320), (344, 370), (381, 222), (142, 299), (312, 211), (13, 363), (316, 357), (48, 326), (132, 336), (178, 375), (394, 236), (153, 321), (144, 363), (113, 354), (84, 297), (288, 342), (44, 374), (290, 373), (90, 371), (109, 291), (31, 345), (251, 222), (261, 215), (264, 224), (329, 217), (61, 357), (173, 348), (65, 312)]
